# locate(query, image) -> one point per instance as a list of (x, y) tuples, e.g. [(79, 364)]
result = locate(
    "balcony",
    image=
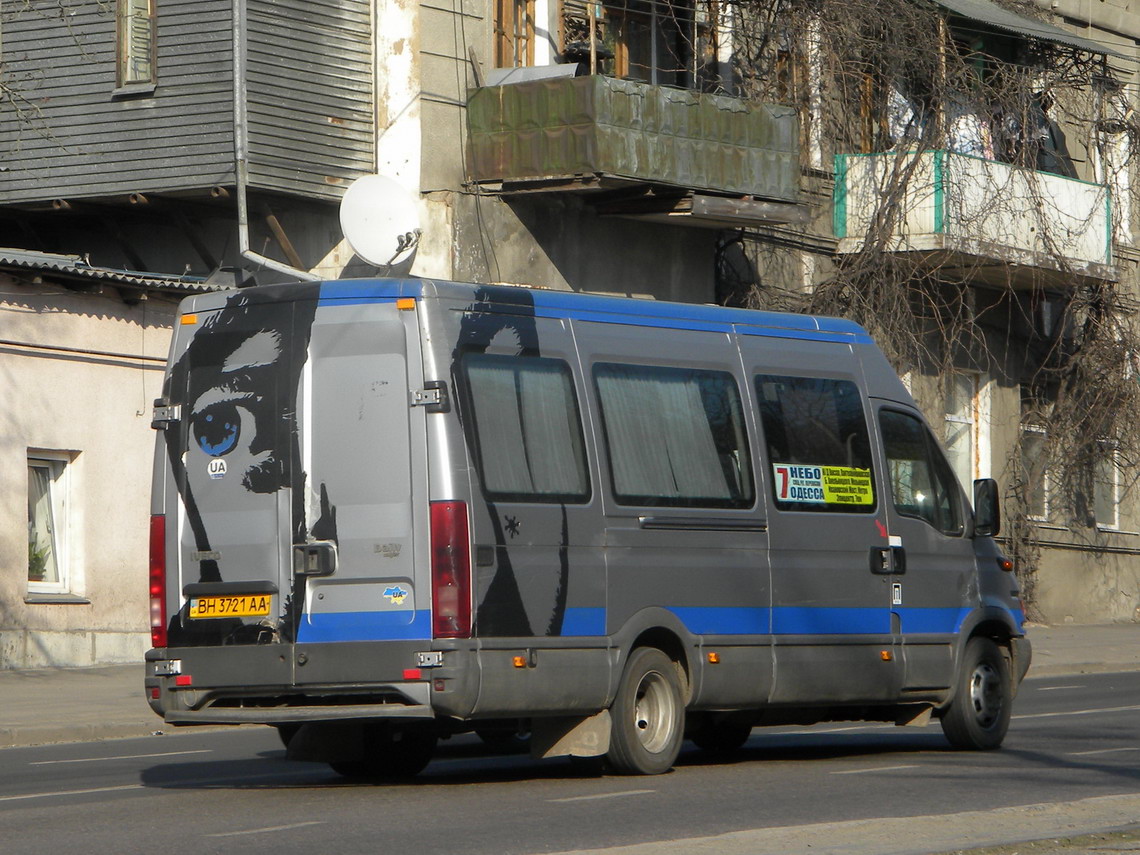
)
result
[(989, 221), (707, 157)]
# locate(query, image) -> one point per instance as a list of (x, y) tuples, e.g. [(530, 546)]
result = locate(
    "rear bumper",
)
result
[(282, 683)]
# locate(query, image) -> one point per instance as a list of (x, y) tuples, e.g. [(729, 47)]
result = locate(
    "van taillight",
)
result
[(450, 570), (158, 581)]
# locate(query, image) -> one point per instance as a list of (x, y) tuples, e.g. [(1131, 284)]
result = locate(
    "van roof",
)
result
[(597, 308)]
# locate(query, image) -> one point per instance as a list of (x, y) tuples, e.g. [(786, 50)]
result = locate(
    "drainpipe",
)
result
[(241, 154)]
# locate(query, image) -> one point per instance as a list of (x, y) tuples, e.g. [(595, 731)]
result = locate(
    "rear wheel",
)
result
[(648, 715), (978, 716), (390, 752), (722, 733)]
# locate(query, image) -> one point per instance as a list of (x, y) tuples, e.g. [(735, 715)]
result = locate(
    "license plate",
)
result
[(246, 605)]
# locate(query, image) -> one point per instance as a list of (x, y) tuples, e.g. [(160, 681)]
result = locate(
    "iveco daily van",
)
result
[(389, 511)]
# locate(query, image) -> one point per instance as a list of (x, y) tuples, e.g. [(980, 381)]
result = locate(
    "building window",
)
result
[(669, 44), (1035, 472), (514, 33), (1106, 489), (964, 420), (47, 524), (137, 38)]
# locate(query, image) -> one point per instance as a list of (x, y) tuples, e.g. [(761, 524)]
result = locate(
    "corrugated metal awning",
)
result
[(76, 267), (995, 16)]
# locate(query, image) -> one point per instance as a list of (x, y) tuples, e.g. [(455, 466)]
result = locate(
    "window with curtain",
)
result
[(527, 429), (137, 43), (817, 442), (47, 569), (675, 437)]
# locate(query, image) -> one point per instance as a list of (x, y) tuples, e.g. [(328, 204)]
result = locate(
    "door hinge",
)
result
[(432, 397), (165, 414)]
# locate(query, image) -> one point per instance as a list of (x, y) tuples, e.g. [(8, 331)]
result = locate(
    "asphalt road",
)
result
[(1071, 762)]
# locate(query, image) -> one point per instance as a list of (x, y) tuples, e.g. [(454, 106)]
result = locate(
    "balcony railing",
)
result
[(1000, 221), (548, 134)]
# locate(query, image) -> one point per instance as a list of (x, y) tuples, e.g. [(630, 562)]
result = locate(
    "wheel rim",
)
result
[(653, 712), (986, 695)]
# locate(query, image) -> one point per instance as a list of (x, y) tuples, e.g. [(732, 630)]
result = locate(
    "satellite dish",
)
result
[(379, 219)]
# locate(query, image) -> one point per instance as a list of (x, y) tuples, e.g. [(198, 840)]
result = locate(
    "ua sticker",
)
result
[(216, 468), (395, 594)]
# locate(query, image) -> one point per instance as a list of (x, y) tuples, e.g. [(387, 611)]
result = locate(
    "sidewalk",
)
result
[(80, 704)]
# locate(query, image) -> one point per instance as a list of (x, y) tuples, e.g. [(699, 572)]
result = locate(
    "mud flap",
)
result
[(573, 735)]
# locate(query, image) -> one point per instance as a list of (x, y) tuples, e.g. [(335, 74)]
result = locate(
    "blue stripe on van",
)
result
[(917, 621), (353, 291), (615, 310), (584, 621), (364, 626), (792, 620), (723, 620)]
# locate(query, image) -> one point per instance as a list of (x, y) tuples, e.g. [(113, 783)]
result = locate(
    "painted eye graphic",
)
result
[(217, 429)]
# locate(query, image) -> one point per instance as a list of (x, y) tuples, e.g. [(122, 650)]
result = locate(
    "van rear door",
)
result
[(234, 465), (365, 473)]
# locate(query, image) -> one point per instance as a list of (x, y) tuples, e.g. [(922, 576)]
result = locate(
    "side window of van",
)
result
[(675, 436), (528, 432), (818, 446), (922, 483)]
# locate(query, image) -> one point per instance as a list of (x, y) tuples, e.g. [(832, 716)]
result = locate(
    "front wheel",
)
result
[(648, 715), (978, 716)]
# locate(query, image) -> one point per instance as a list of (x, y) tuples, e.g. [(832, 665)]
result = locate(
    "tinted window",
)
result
[(675, 436), (817, 441), (922, 483), (528, 434)]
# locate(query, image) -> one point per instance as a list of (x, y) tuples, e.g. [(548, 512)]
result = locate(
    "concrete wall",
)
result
[(93, 402)]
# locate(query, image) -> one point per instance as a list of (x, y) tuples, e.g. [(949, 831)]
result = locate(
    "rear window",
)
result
[(675, 436), (817, 442), (528, 432)]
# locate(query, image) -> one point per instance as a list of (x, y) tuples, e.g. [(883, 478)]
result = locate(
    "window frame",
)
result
[(127, 29), (513, 30), (1027, 474), (644, 26), (1111, 459), (59, 499), (477, 442)]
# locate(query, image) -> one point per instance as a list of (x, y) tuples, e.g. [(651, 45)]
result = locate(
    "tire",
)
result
[(647, 716), (390, 753), (722, 734), (978, 716), (286, 732)]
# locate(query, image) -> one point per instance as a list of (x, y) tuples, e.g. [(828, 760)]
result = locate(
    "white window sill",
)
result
[(34, 598)]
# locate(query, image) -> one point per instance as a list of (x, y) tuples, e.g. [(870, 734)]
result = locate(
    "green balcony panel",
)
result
[(603, 127)]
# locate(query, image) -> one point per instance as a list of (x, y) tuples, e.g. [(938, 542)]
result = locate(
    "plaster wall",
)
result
[(80, 372)]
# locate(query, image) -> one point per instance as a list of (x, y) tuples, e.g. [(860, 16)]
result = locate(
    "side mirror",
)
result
[(987, 509)]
